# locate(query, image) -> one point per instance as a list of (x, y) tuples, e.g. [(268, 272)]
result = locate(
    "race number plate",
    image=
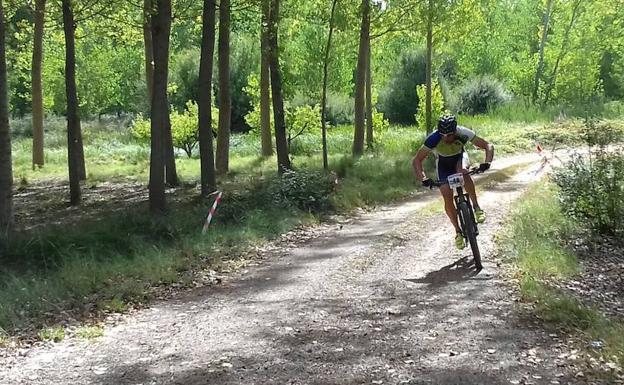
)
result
[(456, 180)]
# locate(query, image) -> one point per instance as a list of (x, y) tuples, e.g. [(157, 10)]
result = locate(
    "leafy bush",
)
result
[(399, 101), (480, 94), (304, 189), (184, 84), (437, 104), (252, 89), (592, 191), (340, 109), (592, 187), (302, 119), (301, 123), (184, 127)]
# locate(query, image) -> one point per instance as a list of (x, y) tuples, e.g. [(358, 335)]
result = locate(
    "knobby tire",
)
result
[(470, 233)]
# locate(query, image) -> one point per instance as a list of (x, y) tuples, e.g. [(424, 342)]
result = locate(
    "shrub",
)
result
[(184, 127), (592, 191), (480, 94), (399, 101), (304, 189), (592, 187), (301, 123), (184, 83), (307, 190), (340, 109)]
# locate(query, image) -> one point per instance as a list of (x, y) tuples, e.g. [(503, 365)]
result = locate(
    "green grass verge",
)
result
[(534, 242)]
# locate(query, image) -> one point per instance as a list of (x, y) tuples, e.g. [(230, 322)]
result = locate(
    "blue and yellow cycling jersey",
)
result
[(449, 156), (440, 148)]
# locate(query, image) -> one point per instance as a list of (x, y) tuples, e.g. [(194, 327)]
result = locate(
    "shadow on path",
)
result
[(461, 270)]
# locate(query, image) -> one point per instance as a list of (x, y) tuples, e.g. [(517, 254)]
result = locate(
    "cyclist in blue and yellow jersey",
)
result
[(447, 144)]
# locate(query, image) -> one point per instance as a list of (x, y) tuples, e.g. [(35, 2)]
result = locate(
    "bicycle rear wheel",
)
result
[(469, 229)]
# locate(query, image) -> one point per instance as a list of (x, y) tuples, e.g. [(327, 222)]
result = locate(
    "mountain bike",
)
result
[(465, 212)]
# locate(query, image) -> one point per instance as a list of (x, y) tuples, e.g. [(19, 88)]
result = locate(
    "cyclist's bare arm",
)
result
[(418, 161), (489, 148)]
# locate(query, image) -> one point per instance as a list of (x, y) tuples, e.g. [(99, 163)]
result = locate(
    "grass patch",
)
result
[(54, 334), (534, 241), (115, 259), (89, 332)]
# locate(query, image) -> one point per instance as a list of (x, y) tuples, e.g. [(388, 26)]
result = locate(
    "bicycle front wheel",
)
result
[(469, 229)]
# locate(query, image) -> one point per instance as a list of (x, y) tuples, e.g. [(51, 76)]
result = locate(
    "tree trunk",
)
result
[(149, 47), (324, 93), (76, 149), (225, 101), (208, 177), (428, 69), (6, 170), (161, 28), (74, 135), (265, 84), (360, 82), (369, 98), (37, 89), (171, 174), (542, 46), (562, 52), (281, 143)]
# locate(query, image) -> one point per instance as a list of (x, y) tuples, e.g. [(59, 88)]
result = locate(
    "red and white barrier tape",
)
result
[(212, 211), (546, 157)]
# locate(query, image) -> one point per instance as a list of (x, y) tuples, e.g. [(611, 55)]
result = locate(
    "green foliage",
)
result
[(536, 227), (340, 109), (184, 127), (535, 240), (19, 30), (437, 105), (89, 332), (480, 94), (302, 119), (184, 83), (184, 79), (307, 190), (399, 100), (380, 124), (54, 334), (592, 188), (252, 118)]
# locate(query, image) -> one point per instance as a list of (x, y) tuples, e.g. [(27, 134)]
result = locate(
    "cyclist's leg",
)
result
[(444, 168), (469, 186), (449, 206)]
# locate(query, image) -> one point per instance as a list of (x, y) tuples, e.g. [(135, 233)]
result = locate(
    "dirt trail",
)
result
[(382, 299)]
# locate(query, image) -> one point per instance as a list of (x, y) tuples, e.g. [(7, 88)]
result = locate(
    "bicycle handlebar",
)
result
[(438, 183)]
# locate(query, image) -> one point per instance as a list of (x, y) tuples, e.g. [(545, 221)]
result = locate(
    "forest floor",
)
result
[(379, 298)]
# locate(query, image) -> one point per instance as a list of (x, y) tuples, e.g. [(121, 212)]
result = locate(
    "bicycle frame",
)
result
[(465, 213), (460, 196)]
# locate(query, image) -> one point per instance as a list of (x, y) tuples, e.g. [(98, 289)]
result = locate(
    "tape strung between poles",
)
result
[(212, 211), (545, 159)]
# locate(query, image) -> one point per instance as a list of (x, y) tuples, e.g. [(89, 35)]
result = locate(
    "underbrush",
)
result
[(537, 241)]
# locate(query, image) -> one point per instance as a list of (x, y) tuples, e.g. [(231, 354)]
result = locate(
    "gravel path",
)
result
[(383, 299)]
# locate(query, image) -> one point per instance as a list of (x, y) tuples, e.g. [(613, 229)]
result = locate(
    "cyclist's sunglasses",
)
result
[(449, 134)]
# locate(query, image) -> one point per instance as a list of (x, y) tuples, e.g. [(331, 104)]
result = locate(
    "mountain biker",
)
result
[(447, 144)]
